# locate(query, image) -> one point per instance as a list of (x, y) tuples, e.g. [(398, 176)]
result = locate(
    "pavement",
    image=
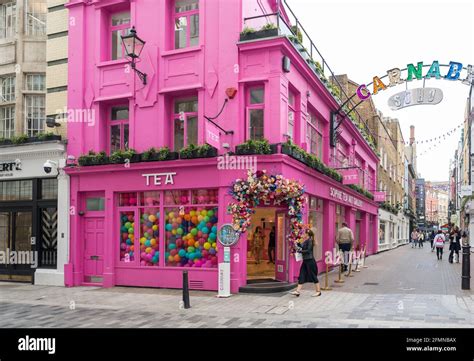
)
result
[(405, 287)]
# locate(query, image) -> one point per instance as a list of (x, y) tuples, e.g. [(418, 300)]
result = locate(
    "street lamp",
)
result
[(133, 47)]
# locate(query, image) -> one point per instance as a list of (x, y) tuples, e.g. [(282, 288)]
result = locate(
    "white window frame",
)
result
[(35, 21), (7, 20), (38, 110), (35, 82), (7, 121), (7, 88)]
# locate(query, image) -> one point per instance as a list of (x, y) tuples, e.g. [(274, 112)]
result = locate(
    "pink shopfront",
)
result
[(141, 223)]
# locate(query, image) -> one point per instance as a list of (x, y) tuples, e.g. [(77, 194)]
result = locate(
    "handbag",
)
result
[(298, 256)]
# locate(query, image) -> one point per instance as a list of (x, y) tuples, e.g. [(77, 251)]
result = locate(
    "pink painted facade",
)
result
[(208, 64)]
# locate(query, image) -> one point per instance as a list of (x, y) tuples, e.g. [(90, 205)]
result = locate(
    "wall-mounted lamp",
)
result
[(133, 47)]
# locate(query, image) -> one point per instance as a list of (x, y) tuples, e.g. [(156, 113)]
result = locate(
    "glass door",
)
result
[(281, 263), (5, 235)]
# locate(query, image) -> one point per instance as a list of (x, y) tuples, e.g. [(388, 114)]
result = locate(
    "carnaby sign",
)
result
[(344, 197)]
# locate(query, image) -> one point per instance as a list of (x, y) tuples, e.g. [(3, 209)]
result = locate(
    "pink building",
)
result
[(142, 223)]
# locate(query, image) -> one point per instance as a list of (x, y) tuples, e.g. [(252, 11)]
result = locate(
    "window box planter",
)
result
[(47, 137), (294, 152), (92, 158), (260, 34), (120, 157), (255, 148), (159, 156), (193, 152), (5, 142)]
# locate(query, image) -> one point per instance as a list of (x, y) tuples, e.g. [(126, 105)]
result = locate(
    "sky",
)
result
[(365, 39)]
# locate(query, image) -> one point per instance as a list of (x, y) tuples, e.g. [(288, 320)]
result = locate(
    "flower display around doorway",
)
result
[(259, 188)]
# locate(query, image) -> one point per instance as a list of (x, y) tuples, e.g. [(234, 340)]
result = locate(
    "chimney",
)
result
[(412, 134)]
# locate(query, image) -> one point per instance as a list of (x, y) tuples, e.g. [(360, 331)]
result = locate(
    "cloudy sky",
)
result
[(364, 39)]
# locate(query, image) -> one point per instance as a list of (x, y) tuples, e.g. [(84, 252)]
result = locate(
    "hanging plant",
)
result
[(259, 188)]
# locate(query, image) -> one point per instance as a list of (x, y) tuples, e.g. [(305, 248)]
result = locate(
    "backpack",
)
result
[(439, 241)]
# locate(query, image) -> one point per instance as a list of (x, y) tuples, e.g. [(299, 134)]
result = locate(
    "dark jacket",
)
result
[(455, 244), (307, 249)]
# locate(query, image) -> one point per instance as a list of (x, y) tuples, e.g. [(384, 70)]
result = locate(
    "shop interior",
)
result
[(259, 264)]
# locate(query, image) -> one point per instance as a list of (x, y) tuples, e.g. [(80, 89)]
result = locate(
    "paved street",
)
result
[(401, 288)]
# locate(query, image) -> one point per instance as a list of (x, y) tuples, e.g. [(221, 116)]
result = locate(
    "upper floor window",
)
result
[(255, 113), (118, 128), (7, 89), (7, 121), (314, 135), (291, 115), (185, 123), (35, 82), (35, 114), (119, 26), (35, 17), (7, 20), (186, 20)]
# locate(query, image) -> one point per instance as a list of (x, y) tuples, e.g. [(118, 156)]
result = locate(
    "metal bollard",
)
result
[(466, 267), (326, 284), (186, 302), (349, 274), (340, 280)]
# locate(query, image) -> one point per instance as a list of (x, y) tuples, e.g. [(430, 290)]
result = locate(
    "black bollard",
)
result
[(186, 302), (466, 267)]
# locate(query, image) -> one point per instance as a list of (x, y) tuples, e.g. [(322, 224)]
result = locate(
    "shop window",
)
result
[(205, 196), (382, 232), (119, 128), (255, 113), (16, 190), (119, 26), (49, 189), (185, 127), (315, 219), (176, 197), (191, 233), (186, 23), (150, 198), (7, 20), (149, 236), (340, 216), (127, 199), (127, 233), (95, 204)]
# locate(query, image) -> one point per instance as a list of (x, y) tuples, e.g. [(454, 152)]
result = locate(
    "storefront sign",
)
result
[(212, 135), (416, 72), (224, 280), (379, 196), (227, 236), (343, 196), (419, 96), (350, 176), (157, 178), (7, 168)]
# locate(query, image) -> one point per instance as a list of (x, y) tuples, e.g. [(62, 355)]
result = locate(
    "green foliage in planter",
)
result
[(248, 30), (362, 191), (188, 151), (86, 159), (148, 154), (203, 150), (45, 136), (388, 207), (100, 158), (160, 154), (298, 34), (120, 156), (19, 139), (269, 26), (256, 147)]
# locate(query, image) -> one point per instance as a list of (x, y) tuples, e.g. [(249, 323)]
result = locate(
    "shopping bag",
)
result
[(298, 256)]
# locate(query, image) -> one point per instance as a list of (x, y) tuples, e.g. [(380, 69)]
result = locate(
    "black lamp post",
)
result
[(466, 263), (133, 47)]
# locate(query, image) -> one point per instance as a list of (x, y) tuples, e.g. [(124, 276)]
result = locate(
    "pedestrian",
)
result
[(421, 239), (454, 245), (438, 243), (344, 239), (432, 236), (257, 244), (309, 268), (414, 238), (271, 246)]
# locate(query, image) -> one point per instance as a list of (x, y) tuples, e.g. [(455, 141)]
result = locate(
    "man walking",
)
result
[(344, 239), (414, 238)]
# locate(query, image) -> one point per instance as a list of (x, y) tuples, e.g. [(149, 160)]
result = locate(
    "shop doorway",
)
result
[(267, 253), (15, 235), (94, 237)]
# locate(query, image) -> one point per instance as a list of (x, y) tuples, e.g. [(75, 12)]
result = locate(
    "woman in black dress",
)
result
[(309, 269), (455, 244)]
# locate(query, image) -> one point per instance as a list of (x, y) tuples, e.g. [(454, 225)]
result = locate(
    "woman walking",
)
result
[(455, 245), (438, 243), (309, 268)]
